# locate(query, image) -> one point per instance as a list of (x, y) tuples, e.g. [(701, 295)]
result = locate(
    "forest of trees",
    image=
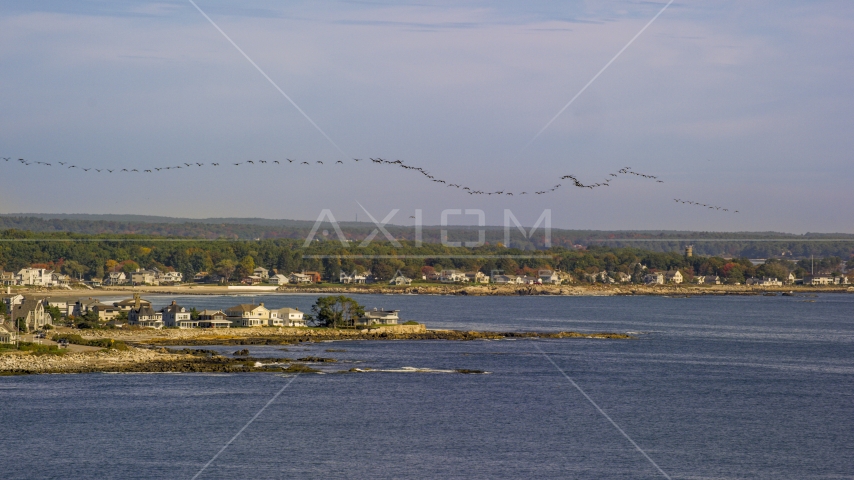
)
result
[(92, 256), (729, 244)]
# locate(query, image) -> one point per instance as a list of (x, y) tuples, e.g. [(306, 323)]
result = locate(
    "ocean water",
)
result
[(713, 387)]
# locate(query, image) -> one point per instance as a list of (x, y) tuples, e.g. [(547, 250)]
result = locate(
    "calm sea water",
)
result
[(723, 387)]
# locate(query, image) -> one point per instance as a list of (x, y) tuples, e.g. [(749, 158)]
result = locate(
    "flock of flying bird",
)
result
[(575, 182), (713, 207)]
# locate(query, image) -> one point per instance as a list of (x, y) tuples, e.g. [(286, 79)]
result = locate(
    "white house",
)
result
[(171, 277), (261, 272), (299, 278), (654, 279), (400, 279), (248, 315), (507, 279), (175, 315), (278, 279), (288, 317), (818, 280), (116, 278), (354, 277), (35, 276), (476, 277), (452, 276), (673, 276), (549, 276), (144, 277)]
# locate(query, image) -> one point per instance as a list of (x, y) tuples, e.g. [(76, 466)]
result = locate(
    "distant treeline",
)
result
[(92, 256), (726, 244)]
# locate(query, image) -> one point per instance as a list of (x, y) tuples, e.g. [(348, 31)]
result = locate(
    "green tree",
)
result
[(336, 311), (246, 266), (226, 268), (54, 312)]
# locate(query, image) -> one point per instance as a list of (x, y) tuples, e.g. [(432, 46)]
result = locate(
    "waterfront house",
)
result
[(261, 272), (116, 278), (213, 319), (142, 315), (144, 277), (354, 277), (653, 279), (175, 315), (127, 305), (507, 279), (252, 280), (549, 276), (400, 279), (6, 336), (248, 315), (200, 277), (820, 279), (287, 317), (33, 314), (7, 278), (314, 276), (790, 280), (40, 277), (278, 279), (299, 278), (171, 277), (452, 276), (623, 277), (60, 280), (379, 317), (12, 300), (476, 277), (673, 276)]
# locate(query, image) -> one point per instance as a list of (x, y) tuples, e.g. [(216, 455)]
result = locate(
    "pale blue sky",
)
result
[(747, 105)]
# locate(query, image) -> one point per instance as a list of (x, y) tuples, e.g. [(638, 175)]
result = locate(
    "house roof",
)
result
[(145, 311), (288, 310), (25, 307), (130, 302), (243, 307)]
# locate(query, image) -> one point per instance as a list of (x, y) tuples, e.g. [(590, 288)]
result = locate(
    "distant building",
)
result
[(171, 277), (175, 315), (673, 276), (144, 277), (379, 317), (127, 305), (354, 277), (654, 279), (549, 276), (476, 277), (115, 278), (278, 279), (400, 279), (299, 278), (213, 319), (261, 272), (288, 317), (818, 280), (33, 314), (40, 277), (248, 315)]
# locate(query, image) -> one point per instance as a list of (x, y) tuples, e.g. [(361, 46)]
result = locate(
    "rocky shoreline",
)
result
[(147, 353), (459, 289)]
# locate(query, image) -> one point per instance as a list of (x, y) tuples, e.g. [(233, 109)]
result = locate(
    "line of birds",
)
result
[(711, 207), (575, 181), (381, 161)]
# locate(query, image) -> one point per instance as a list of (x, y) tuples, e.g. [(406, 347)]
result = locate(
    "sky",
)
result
[(744, 105)]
